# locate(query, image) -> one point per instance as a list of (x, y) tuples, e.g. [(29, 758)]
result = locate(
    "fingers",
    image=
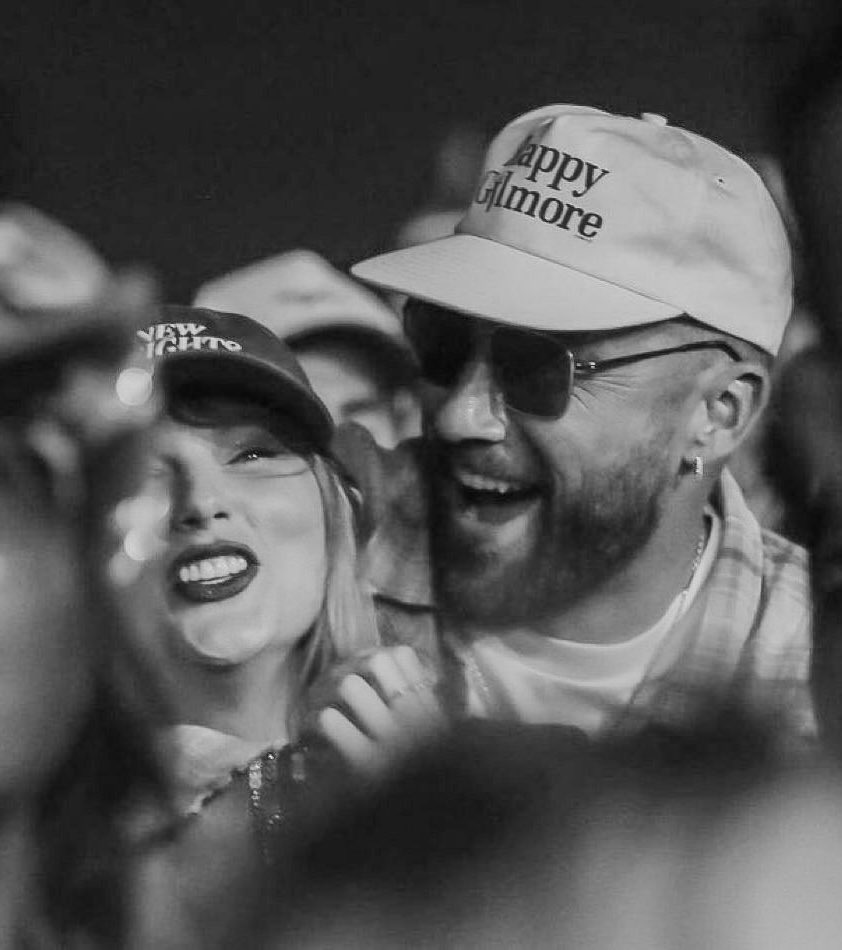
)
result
[(367, 707), (386, 673), (351, 744), (406, 660), (383, 710), (386, 696), (407, 688), (421, 681), (414, 701)]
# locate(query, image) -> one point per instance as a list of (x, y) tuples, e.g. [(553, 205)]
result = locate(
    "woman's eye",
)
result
[(254, 454), (267, 460), (157, 468)]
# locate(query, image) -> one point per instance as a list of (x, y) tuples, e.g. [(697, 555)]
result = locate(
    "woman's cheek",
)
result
[(294, 514), (293, 537), (294, 555)]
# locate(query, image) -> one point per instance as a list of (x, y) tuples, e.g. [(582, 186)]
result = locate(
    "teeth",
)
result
[(483, 483), (212, 568)]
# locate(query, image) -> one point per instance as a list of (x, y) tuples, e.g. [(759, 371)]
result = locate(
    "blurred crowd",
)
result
[(485, 594)]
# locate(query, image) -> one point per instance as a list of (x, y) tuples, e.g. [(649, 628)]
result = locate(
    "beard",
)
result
[(576, 541)]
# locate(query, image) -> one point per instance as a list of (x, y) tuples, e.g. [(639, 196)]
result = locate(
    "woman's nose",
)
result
[(473, 408), (198, 498)]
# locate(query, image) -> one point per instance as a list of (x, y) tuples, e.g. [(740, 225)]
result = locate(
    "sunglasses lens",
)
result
[(533, 371), (442, 341)]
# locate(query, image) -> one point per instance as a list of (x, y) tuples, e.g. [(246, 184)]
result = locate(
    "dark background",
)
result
[(199, 136)]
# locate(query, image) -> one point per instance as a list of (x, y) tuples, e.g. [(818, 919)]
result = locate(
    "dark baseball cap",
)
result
[(191, 347)]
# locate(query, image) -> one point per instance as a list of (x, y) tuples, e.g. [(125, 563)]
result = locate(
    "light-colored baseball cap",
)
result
[(298, 293), (584, 220)]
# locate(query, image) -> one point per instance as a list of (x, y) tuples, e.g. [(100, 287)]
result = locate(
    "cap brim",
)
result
[(252, 377), (486, 279)]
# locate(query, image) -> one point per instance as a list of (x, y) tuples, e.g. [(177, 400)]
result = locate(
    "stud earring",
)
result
[(698, 468)]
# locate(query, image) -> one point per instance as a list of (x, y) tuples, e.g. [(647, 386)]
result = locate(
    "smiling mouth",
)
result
[(213, 573), (492, 499)]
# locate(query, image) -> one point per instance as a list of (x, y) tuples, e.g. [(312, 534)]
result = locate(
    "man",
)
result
[(597, 338), (348, 341)]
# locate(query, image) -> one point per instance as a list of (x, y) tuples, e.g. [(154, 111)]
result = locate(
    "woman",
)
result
[(259, 601), (76, 753), (258, 593)]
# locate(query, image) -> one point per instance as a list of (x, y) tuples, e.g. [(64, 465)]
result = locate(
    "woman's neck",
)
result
[(252, 701)]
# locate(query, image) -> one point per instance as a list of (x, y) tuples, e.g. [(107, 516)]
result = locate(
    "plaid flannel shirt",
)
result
[(745, 638)]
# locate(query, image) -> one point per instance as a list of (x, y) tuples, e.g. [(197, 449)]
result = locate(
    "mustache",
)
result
[(497, 461)]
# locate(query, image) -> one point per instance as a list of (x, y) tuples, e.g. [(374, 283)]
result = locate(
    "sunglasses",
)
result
[(534, 371)]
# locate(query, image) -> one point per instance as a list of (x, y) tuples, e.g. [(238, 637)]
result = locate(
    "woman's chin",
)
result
[(228, 650)]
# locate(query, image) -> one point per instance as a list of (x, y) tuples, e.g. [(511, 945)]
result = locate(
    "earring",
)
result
[(698, 468)]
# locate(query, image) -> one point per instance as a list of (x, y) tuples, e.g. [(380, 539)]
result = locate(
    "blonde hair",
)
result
[(346, 624)]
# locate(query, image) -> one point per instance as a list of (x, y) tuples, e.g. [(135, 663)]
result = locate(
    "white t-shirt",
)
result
[(529, 677)]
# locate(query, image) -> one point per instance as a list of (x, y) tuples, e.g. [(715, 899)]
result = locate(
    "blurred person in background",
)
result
[(753, 464), (567, 531), (457, 162), (348, 341), (77, 767), (807, 437)]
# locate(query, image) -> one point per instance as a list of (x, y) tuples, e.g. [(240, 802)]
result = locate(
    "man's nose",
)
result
[(473, 408), (199, 497)]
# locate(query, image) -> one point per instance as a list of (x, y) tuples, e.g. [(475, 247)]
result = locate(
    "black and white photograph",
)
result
[(421, 475)]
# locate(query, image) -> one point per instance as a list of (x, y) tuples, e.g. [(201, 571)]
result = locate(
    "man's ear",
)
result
[(732, 401)]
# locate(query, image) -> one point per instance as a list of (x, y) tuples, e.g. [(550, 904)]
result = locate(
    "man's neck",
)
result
[(638, 596), (633, 600)]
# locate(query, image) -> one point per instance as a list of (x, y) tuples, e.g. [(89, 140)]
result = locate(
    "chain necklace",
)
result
[(475, 674), (274, 782), (697, 560)]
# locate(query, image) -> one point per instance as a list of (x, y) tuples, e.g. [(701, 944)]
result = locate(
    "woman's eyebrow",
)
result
[(250, 431), (287, 441)]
